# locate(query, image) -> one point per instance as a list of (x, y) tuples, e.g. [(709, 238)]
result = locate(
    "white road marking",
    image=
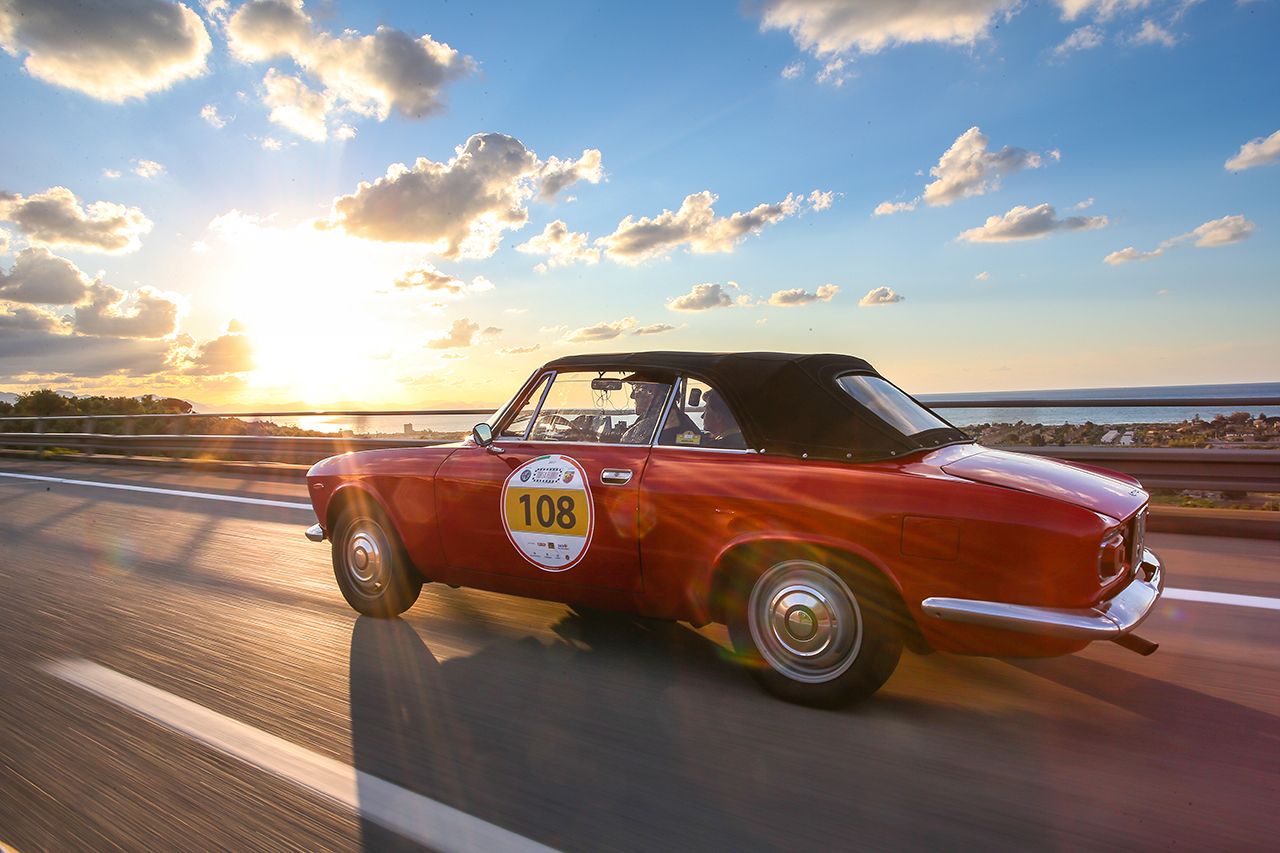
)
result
[(208, 496), (414, 816), (1229, 598), (1203, 596)]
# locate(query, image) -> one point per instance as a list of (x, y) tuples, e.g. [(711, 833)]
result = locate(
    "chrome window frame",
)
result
[(514, 411)]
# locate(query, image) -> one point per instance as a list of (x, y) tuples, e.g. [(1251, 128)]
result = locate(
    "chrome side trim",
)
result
[(1110, 619), (315, 533), (615, 476)]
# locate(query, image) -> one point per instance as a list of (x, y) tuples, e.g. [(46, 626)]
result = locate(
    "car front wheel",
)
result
[(370, 565), (811, 637)]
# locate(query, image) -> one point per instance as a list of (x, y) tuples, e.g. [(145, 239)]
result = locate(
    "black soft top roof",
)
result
[(787, 403)]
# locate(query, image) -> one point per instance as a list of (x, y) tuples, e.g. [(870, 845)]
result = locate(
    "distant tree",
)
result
[(43, 403)]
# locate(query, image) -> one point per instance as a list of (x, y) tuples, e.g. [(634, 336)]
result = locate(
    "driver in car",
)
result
[(649, 397)]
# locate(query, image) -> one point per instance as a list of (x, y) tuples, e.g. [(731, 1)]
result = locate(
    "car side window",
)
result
[(700, 417), (609, 407), (519, 425)]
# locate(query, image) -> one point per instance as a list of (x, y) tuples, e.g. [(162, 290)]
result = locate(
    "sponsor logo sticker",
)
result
[(547, 512)]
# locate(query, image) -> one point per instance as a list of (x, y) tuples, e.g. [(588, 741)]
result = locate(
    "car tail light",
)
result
[(1112, 556)]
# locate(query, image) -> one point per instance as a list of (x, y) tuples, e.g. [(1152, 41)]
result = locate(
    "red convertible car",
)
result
[(821, 513)]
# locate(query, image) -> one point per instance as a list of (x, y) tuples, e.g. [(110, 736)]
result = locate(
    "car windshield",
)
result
[(894, 407)]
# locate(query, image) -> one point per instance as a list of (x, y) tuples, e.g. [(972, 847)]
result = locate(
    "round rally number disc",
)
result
[(546, 512)]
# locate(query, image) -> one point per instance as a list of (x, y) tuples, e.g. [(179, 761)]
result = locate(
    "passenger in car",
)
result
[(721, 430)]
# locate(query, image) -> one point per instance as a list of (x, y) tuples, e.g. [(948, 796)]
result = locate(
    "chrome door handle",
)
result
[(615, 476)]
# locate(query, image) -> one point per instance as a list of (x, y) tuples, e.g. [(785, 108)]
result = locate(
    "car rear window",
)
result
[(891, 405)]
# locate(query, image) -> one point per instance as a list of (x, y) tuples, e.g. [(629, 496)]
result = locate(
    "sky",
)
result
[(416, 204)]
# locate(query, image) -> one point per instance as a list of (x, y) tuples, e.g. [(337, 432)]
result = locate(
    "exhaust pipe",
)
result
[(1134, 643)]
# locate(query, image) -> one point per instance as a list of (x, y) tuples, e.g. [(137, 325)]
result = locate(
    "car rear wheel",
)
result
[(814, 635), (371, 566)]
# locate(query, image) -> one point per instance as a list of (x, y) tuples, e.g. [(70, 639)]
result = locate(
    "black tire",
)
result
[(814, 632), (371, 566)]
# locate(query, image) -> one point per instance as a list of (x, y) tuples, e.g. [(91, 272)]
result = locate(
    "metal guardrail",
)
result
[(1172, 468)]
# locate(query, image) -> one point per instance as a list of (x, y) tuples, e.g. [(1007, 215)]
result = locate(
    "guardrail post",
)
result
[(40, 433), (128, 431), (88, 447)]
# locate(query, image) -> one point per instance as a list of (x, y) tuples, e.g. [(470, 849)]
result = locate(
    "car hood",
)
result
[(1052, 479)]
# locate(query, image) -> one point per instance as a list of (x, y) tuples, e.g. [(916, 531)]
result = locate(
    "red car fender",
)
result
[(703, 590)]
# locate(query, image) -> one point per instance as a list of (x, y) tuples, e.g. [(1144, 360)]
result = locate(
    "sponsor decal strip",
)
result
[(419, 818)]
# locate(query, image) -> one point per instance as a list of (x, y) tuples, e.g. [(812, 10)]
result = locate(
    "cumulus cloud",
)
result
[(601, 331), (820, 200), (834, 72), (1084, 38), (29, 346), (1153, 33), (968, 168), (110, 51), (1102, 10), (1129, 254), (704, 297), (226, 354), (1208, 235), (1222, 232), (56, 217), (295, 106), (792, 71), (463, 333), (432, 280), (1029, 223), (982, 276), (888, 208), (4, 242), (518, 350), (799, 296), (1256, 152), (654, 329), (457, 209), (146, 313), (40, 277), (210, 114), (557, 174), (561, 247), (148, 169), (368, 75), (879, 296), (26, 318), (694, 225), (824, 28)]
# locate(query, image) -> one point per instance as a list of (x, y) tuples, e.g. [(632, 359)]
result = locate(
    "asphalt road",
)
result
[(575, 731)]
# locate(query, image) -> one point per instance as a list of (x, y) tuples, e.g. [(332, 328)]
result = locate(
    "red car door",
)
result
[(555, 498)]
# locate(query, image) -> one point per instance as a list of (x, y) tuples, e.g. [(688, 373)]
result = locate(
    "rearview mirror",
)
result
[(606, 384), (482, 434), (695, 397)]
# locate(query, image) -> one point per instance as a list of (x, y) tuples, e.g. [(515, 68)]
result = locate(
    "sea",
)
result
[(1047, 415), (1054, 415)]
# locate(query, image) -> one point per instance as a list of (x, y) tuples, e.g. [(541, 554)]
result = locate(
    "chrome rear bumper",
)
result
[(315, 533), (1107, 620)]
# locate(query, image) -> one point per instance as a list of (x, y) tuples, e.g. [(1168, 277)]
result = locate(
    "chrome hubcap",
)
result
[(365, 556), (805, 621)]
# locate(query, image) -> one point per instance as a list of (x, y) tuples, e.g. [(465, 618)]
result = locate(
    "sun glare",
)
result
[(317, 307)]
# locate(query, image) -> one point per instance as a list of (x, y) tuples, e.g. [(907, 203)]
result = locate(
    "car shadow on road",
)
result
[(571, 743), (1186, 721)]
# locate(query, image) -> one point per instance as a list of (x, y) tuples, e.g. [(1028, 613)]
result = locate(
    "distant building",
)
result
[(1127, 439), (1110, 436), (408, 429)]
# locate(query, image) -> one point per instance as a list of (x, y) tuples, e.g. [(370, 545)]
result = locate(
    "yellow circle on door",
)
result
[(547, 512)]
